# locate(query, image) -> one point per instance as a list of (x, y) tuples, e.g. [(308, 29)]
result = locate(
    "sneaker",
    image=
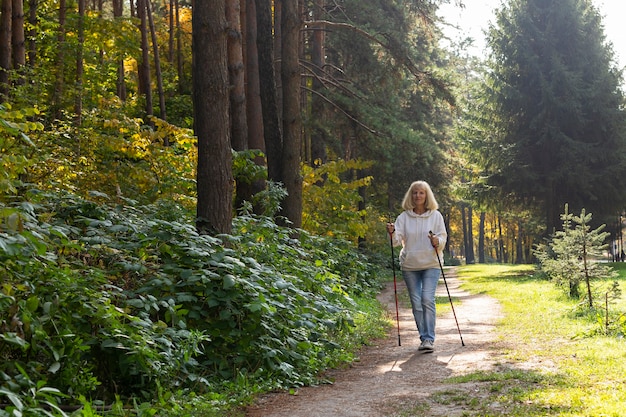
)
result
[(427, 346)]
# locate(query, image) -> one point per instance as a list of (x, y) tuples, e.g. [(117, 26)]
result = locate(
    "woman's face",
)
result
[(419, 196)]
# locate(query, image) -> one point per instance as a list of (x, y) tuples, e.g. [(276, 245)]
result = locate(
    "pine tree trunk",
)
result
[(78, 99), (470, 257), (179, 54), (144, 65), (318, 142), (481, 238), (253, 90), (5, 47), (171, 34), (464, 228), (272, 130), (59, 85), (211, 117), (292, 119), (157, 64), (239, 126), (278, 53), (118, 11), (18, 42)]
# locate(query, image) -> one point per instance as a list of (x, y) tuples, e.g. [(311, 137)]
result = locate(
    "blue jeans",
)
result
[(422, 285)]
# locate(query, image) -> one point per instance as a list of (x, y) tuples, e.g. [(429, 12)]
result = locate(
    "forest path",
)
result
[(389, 379)]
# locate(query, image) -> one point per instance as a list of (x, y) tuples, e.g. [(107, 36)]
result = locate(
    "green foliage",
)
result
[(118, 155), (331, 199), (16, 147), (571, 257), (100, 301)]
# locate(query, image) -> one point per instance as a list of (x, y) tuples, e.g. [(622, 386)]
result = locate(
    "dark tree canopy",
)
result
[(556, 127)]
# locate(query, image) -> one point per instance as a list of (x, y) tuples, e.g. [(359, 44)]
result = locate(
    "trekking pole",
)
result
[(395, 287), (448, 290)]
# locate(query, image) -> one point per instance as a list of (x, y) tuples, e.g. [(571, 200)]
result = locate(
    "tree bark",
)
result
[(157, 63), (179, 55), (18, 42), (238, 105), (118, 11), (272, 130), (253, 90), (78, 99), (519, 255), (318, 145), (464, 229), (59, 84), (171, 34), (278, 53), (239, 126), (470, 257), (211, 117), (292, 119), (481, 238), (5, 47), (144, 65)]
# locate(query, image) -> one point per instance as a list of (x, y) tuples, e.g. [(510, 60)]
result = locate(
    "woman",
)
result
[(422, 233)]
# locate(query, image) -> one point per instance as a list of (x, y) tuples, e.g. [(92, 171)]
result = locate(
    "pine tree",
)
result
[(555, 113), (571, 257)]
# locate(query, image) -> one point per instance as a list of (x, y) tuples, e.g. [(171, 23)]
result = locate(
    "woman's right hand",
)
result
[(391, 228)]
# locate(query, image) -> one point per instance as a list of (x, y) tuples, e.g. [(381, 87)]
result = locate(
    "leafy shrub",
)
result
[(100, 301)]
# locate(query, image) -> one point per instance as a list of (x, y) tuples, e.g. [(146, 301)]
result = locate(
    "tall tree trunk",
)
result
[(5, 47), (239, 126), (501, 254), (144, 65), (272, 130), (179, 53), (118, 11), (18, 42), (211, 117), (464, 227), (157, 64), (253, 90), (470, 257), (292, 118), (481, 238), (318, 145), (59, 85), (172, 33), (237, 78), (278, 53), (519, 257), (78, 98), (32, 32)]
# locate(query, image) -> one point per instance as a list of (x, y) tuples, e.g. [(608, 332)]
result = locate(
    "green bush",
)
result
[(108, 302)]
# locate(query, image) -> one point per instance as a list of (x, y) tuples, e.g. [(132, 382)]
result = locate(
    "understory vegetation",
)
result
[(125, 309)]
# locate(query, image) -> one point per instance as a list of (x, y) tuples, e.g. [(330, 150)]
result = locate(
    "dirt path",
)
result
[(389, 379)]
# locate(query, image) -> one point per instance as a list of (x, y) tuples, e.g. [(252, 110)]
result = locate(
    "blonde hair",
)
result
[(429, 204)]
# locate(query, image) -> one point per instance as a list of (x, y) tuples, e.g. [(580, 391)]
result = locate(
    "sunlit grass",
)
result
[(551, 367)]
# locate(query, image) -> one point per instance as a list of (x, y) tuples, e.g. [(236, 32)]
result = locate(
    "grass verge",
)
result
[(551, 366)]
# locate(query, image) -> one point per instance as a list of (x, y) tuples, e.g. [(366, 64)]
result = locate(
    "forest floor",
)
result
[(391, 380)]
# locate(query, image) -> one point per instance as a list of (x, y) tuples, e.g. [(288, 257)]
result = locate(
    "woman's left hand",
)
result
[(434, 240)]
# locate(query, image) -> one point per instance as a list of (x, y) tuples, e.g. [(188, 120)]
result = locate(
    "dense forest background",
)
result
[(145, 140)]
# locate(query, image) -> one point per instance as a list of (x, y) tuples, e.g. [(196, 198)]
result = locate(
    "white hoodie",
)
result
[(411, 231)]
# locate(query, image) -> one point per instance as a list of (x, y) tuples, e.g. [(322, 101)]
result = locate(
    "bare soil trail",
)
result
[(389, 379)]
